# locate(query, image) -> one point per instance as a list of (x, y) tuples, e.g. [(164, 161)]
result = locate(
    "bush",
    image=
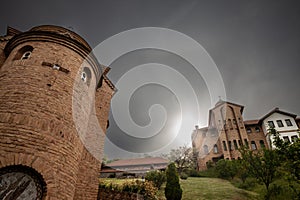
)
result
[(226, 169), (247, 184), (183, 176), (148, 190), (173, 190), (211, 173), (157, 178), (112, 175), (194, 173), (145, 188)]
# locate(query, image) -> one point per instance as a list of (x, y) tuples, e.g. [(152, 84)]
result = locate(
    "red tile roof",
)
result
[(251, 122), (138, 161)]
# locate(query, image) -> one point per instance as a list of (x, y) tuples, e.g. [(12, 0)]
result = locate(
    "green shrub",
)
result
[(145, 188), (173, 190), (157, 178), (113, 175), (194, 173), (211, 173), (226, 169), (247, 184), (148, 190), (183, 176)]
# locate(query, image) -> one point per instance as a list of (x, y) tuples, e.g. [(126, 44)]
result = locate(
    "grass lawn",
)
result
[(213, 188), (205, 188)]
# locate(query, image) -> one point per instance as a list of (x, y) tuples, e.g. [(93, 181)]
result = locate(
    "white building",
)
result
[(285, 123)]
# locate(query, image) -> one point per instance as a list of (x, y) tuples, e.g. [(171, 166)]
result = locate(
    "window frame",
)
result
[(271, 124), (224, 146), (246, 142), (286, 139), (262, 144), (253, 143), (279, 123), (24, 56), (249, 130), (205, 149), (257, 129), (235, 144), (216, 149), (288, 122), (294, 138)]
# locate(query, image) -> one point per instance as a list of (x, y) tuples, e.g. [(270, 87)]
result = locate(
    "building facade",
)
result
[(136, 167), (50, 89), (227, 131)]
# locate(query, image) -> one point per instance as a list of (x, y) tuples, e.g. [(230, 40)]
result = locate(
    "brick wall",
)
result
[(226, 118)]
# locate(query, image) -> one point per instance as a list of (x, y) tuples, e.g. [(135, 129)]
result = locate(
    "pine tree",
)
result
[(173, 190)]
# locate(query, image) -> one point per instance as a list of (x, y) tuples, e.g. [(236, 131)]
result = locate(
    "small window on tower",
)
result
[(249, 130), (235, 144), (216, 148), (246, 142), (224, 146), (24, 53), (205, 148), (240, 142), (262, 144), (86, 75), (253, 145), (257, 129), (83, 76), (230, 145)]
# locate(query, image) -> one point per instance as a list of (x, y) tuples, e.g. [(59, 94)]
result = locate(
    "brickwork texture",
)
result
[(37, 126)]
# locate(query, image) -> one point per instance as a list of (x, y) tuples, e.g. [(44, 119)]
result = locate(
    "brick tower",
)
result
[(44, 72)]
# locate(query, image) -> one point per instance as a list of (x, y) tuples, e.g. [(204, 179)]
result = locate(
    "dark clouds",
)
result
[(255, 44)]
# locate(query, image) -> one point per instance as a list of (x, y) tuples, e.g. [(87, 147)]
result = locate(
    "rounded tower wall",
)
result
[(36, 106)]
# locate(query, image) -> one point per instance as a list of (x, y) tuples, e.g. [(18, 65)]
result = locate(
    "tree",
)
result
[(289, 154), (173, 190), (261, 164), (183, 157), (226, 168)]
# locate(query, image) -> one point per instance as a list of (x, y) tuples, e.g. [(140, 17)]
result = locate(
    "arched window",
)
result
[(86, 75), (230, 124), (262, 144), (24, 53), (205, 148), (235, 145), (216, 149), (253, 145), (21, 182), (246, 142), (224, 146), (230, 145)]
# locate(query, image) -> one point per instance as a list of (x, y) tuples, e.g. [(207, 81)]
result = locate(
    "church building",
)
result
[(227, 131)]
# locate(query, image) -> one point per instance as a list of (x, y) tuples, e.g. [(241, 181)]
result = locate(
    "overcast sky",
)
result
[(254, 44)]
